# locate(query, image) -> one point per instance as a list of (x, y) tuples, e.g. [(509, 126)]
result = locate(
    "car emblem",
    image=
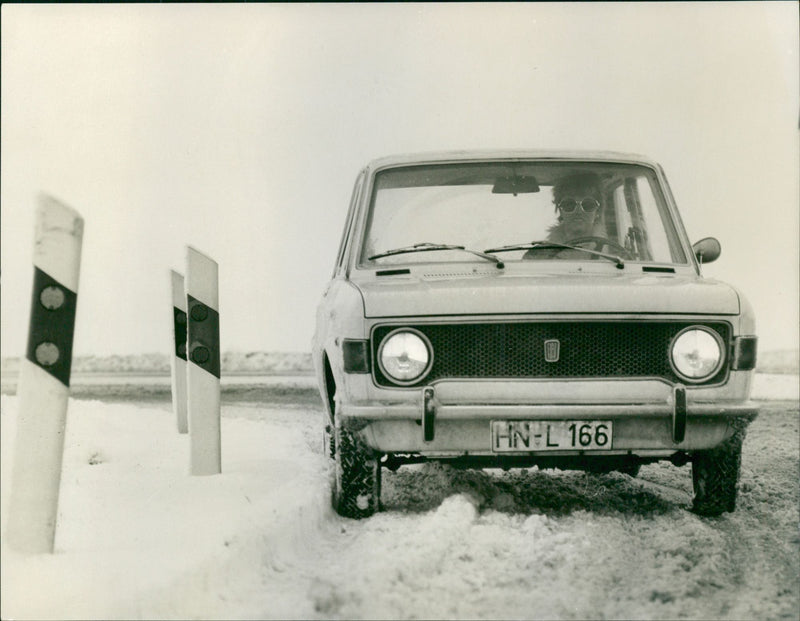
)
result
[(552, 349)]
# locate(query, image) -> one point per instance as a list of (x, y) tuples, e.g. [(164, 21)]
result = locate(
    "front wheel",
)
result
[(715, 475), (357, 478)]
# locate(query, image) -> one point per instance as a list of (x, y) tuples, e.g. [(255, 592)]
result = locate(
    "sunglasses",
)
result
[(570, 205)]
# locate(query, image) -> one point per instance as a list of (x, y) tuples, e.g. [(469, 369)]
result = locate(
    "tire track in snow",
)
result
[(467, 559)]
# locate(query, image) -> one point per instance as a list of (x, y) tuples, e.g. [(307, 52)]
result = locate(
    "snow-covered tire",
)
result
[(715, 474), (357, 479)]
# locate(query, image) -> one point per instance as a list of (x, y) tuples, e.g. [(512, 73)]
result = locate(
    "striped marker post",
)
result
[(203, 364), (178, 358), (43, 388)]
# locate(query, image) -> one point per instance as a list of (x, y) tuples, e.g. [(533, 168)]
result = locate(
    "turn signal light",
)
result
[(744, 353), (356, 356)]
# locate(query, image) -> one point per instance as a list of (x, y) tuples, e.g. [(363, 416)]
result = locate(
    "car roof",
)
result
[(478, 155)]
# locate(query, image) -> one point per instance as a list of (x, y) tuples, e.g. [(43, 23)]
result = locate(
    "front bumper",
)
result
[(651, 417)]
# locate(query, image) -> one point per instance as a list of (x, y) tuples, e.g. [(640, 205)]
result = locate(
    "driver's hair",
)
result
[(569, 185)]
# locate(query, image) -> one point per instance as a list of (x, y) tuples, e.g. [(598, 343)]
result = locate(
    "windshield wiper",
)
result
[(427, 246), (542, 244)]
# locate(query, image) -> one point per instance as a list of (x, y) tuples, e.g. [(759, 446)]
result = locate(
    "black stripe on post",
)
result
[(203, 336), (179, 321), (52, 326)]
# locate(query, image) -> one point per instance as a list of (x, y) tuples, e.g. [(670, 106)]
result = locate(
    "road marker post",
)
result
[(43, 389), (203, 364), (178, 358)]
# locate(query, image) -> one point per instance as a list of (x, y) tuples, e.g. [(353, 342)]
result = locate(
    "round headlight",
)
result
[(696, 354), (405, 356)]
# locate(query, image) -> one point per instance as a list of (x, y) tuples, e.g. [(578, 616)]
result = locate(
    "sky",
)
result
[(239, 130)]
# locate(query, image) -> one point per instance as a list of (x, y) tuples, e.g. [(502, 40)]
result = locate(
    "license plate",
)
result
[(514, 436)]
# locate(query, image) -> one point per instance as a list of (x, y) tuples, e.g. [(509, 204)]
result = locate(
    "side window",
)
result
[(641, 225), (656, 235), (663, 237), (348, 222)]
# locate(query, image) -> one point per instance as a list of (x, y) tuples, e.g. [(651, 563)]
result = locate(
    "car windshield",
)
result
[(515, 208)]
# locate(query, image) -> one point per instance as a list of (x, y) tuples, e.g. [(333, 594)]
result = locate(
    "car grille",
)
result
[(516, 350)]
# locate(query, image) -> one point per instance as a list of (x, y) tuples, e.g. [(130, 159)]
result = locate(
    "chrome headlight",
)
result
[(696, 353), (405, 356)]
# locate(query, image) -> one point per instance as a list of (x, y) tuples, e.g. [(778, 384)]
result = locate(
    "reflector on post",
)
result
[(178, 358), (203, 364), (43, 388)]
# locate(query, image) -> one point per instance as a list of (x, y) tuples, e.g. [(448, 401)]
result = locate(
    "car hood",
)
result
[(493, 293)]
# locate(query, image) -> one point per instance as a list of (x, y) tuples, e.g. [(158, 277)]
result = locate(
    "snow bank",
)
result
[(140, 538)]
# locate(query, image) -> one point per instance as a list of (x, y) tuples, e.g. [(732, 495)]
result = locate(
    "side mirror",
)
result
[(707, 250)]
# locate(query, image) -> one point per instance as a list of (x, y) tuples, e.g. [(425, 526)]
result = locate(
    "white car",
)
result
[(514, 309)]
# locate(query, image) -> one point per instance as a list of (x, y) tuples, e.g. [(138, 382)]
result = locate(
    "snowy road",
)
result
[(139, 538)]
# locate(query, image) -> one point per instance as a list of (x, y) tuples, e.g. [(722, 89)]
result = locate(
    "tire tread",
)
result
[(358, 476), (715, 474)]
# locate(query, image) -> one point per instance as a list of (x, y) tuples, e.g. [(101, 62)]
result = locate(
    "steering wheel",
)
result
[(600, 243)]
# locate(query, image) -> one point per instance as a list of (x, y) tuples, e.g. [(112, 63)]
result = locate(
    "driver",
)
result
[(578, 202)]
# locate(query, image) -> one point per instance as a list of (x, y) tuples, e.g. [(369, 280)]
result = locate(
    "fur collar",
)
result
[(557, 232)]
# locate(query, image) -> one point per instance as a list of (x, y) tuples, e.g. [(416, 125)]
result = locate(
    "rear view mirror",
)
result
[(518, 184), (707, 250)]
